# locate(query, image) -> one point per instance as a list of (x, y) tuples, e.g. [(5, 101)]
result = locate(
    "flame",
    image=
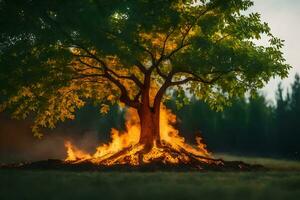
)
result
[(74, 153), (124, 147)]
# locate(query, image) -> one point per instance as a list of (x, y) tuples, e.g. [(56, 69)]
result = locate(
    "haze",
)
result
[(283, 16)]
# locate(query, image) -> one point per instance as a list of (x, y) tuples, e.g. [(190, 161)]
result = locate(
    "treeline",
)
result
[(250, 125)]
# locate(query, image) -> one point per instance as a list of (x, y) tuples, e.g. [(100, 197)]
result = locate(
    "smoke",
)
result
[(87, 131), (18, 144)]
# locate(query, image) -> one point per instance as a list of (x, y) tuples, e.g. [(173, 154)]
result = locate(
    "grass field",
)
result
[(281, 182), (270, 163)]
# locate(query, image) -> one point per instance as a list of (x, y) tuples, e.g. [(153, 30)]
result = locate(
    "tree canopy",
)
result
[(56, 55)]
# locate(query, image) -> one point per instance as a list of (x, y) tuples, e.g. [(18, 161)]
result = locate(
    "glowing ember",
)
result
[(124, 147)]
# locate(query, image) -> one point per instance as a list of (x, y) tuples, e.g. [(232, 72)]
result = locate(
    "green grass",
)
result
[(282, 182), (271, 163)]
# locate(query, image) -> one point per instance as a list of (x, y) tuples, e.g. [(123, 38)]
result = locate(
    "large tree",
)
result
[(56, 55)]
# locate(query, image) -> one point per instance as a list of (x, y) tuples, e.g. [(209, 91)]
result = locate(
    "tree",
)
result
[(291, 147), (55, 56), (258, 115), (233, 125), (281, 118), (295, 97)]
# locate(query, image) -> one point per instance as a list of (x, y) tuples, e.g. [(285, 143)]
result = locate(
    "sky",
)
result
[(283, 16)]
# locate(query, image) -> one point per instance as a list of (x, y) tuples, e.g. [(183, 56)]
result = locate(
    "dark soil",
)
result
[(55, 164)]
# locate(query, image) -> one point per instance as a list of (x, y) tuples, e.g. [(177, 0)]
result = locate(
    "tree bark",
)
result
[(149, 119), (149, 128)]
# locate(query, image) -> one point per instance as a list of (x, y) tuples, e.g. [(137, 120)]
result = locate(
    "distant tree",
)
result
[(281, 118), (291, 137), (234, 125), (258, 122), (295, 96), (194, 118), (54, 56)]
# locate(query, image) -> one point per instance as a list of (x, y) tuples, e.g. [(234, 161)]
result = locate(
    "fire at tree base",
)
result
[(125, 153), (126, 147)]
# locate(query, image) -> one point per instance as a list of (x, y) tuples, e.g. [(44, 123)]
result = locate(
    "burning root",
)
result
[(137, 155), (164, 157)]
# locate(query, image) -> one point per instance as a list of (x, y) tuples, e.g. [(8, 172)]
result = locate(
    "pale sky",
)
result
[(283, 16)]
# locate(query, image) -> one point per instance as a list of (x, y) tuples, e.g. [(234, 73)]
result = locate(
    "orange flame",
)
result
[(74, 153), (124, 146)]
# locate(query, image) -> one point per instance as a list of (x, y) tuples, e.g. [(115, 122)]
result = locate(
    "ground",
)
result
[(281, 182)]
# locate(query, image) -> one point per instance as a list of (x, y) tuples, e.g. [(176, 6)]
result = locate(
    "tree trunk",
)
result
[(149, 120)]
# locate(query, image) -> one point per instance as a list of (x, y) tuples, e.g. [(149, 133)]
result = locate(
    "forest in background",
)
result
[(250, 125)]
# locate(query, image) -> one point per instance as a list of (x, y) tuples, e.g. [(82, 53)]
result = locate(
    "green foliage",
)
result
[(52, 53)]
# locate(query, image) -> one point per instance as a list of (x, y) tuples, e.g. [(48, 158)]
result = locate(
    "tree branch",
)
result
[(184, 36), (131, 77), (124, 94), (161, 73), (141, 66), (165, 42), (90, 66), (137, 96)]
